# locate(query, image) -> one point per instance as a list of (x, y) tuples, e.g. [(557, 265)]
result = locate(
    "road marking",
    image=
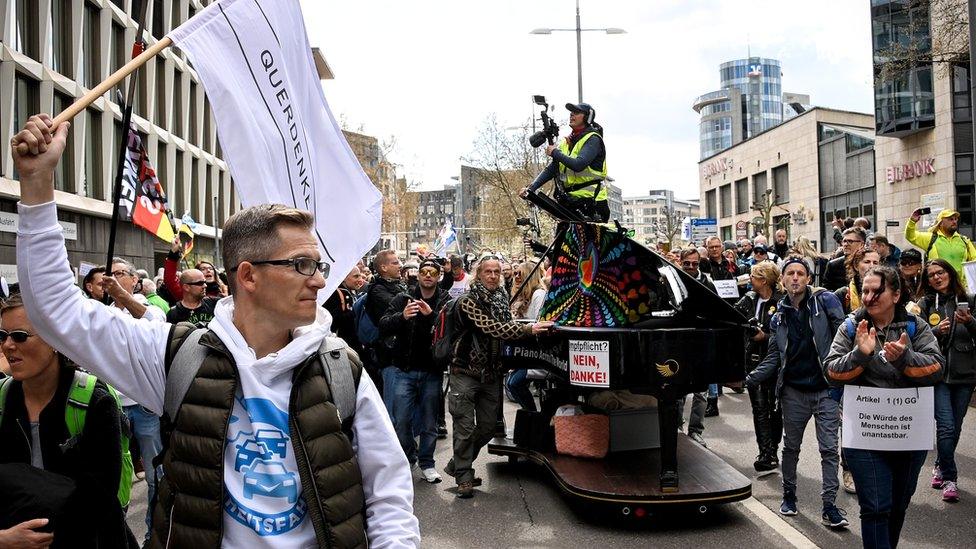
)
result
[(793, 536)]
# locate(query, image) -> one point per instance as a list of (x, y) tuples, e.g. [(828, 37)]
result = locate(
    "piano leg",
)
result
[(668, 421)]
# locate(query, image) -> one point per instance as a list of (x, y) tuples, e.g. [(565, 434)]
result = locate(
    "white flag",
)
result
[(276, 130)]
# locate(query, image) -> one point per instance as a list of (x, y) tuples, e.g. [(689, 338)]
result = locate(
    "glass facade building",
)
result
[(749, 101), (904, 100)]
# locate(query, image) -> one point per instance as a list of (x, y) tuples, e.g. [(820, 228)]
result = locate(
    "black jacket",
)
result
[(412, 350), (379, 295), (756, 350), (94, 463), (339, 306), (957, 346), (835, 276)]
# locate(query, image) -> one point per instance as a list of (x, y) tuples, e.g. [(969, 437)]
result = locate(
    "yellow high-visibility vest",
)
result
[(571, 179)]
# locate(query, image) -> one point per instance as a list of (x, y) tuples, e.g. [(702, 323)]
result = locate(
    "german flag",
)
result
[(186, 234)]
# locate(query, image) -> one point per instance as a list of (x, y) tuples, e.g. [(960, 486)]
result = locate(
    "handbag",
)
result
[(585, 436)]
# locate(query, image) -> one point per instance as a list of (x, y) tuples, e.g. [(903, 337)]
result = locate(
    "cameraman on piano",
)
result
[(579, 167)]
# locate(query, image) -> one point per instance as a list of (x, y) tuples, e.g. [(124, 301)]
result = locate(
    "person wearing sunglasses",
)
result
[(33, 430), (416, 380), (257, 381), (196, 307)]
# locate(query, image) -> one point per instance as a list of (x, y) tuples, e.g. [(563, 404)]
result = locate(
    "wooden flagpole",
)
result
[(111, 81)]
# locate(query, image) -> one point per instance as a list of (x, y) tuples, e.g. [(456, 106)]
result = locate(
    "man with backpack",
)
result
[(943, 240), (801, 333), (416, 378), (276, 439), (373, 304), (484, 319)]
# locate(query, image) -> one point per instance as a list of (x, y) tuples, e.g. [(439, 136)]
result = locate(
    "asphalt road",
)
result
[(518, 506)]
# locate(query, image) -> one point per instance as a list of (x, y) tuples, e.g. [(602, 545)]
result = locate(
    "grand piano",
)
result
[(627, 319)]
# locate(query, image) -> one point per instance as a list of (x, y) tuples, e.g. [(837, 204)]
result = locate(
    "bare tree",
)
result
[(504, 163), (669, 226), (937, 33), (764, 206)]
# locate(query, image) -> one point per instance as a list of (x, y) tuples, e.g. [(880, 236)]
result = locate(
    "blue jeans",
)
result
[(713, 390), (412, 392), (145, 432), (951, 404), (518, 385), (885, 485)]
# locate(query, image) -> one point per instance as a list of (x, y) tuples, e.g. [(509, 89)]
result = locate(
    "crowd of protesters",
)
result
[(872, 315)]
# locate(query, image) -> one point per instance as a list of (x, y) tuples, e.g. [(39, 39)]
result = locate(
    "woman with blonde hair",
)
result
[(816, 261), (528, 300), (759, 306)]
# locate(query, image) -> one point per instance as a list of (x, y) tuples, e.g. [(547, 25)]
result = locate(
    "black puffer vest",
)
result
[(189, 509)]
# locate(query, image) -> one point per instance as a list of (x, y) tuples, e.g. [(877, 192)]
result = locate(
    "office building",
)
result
[(647, 215)]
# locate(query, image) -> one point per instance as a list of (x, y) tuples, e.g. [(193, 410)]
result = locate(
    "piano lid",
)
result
[(601, 278)]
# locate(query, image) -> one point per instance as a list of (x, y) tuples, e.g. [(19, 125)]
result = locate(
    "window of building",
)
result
[(177, 126), (160, 115), (192, 133), (961, 105), (726, 232), (725, 200), (207, 126), (26, 102), (964, 168), (710, 209), (162, 173), (175, 19), (759, 188), (119, 51), (63, 172), (905, 102), (25, 25), (781, 183), (58, 46), (178, 187), (158, 19), (196, 204), (90, 69), (209, 204), (742, 196), (93, 183)]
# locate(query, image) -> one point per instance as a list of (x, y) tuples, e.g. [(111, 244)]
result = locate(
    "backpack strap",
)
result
[(182, 369), (76, 409), (928, 248), (343, 376)]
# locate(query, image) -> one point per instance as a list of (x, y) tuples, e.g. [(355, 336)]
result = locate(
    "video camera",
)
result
[(550, 130)]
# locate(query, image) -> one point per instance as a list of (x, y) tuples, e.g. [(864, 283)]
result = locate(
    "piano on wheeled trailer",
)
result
[(657, 331)]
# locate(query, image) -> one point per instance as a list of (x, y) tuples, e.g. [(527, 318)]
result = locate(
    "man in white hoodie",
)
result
[(259, 456)]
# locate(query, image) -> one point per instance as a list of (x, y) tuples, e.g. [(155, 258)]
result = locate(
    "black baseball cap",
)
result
[(759, 249), (911, 257), (584, 108)]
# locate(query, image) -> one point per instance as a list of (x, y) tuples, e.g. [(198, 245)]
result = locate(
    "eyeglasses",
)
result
[(429, 272), (689, 263), (117, 274), (304, 265), (851, 241), (936, 274), (19, 336), (196, 283)]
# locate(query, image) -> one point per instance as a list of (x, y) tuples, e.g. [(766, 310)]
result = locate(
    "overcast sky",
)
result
[(430, 72)]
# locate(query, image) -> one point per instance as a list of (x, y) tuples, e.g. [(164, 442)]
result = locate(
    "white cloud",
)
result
[(430, 72)]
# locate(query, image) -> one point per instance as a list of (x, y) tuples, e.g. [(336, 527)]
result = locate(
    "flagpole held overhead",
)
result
[(111, 81)]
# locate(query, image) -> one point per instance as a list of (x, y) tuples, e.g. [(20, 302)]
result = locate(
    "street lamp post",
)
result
[(579, 46)]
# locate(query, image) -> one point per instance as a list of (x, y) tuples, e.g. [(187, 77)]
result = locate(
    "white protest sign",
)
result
[(969, 269), (589, 363), (726, 288), (889, 419), (85, 267)]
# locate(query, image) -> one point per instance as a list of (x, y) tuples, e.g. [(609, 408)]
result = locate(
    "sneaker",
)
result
[(849, 483), (834, 517), (765, 463), (711, 407), (936, 477), (430, 475), (698, 438), (788, 507), (950, 492), (465, 490), (441, 432)]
